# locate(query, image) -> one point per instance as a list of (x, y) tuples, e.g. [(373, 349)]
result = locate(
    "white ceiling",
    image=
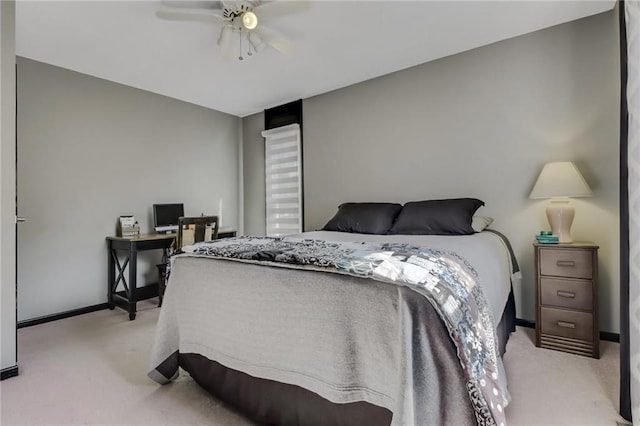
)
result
[(340, 43)]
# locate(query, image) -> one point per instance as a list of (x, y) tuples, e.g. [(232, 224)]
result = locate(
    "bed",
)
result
[(315, 328)]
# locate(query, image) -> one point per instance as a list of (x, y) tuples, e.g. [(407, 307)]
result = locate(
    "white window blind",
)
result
[(283, 179)]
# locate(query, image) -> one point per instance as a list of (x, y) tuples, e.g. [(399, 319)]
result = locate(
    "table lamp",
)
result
[(559, 181)]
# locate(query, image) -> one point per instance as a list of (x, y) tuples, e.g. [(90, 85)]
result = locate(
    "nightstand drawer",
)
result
[(572, 324), (566, 263), (575, 294)]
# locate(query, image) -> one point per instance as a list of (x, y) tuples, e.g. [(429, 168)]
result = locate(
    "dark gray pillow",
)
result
[(437, 217), (364, 218)]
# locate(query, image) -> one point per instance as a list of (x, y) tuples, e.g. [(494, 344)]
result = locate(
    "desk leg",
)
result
[(133, 262), (111, 276)]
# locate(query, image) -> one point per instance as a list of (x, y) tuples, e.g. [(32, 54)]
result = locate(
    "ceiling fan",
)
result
[(244, 18)]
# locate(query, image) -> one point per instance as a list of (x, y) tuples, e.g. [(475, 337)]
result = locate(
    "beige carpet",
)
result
[(91, 370)]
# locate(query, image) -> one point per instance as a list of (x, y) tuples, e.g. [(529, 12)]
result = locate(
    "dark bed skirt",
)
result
[(275, 403)]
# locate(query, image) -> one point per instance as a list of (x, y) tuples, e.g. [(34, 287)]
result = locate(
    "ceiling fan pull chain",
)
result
[(240, 40)]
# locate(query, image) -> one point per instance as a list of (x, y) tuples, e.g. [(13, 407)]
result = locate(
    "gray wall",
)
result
[(482, 124), (7, 183), (253, 171), (89, 151)]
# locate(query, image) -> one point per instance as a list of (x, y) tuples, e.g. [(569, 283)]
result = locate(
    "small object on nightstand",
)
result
[(546, 237), (567, 298)]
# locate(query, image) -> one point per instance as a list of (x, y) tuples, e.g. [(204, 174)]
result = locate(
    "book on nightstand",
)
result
[(546, 237)]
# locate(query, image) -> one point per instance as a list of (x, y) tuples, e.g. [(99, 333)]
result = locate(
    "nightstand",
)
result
[(567, 297)]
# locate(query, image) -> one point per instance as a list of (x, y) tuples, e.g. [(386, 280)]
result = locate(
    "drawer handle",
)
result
[(565, 324), (569, 263), (567, 294)]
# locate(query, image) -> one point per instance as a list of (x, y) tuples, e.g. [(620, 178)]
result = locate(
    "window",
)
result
[(283, 180)]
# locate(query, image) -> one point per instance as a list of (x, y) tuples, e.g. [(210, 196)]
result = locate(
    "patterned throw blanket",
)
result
[(443, 277)]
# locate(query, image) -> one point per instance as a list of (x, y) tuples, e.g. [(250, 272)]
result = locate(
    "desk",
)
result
[(129, 248)]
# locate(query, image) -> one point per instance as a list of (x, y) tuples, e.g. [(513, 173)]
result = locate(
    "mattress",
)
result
[(345, 339)]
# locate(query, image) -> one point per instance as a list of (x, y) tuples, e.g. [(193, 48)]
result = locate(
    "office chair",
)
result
[(195, 229), (199, 225)]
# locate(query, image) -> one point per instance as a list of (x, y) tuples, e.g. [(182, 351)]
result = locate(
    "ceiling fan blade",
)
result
[(280, 8), (275, 40), (224, 41), (256, 41), (194, 4), (190, 15), (228, 4)]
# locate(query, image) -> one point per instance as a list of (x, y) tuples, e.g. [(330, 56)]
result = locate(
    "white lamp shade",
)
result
[(560, 179)]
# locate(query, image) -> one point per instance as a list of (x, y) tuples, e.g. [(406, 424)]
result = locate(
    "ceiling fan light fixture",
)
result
[(239, 19), (249, 20)]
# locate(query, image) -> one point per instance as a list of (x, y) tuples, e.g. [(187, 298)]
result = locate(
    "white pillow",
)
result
[(478, 223)]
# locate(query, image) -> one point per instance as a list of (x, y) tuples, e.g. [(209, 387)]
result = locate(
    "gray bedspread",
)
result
[(346, 338)]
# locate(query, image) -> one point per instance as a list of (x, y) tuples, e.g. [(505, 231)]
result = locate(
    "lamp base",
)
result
[(560, 215)]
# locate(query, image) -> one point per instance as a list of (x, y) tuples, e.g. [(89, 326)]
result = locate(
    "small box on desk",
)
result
[(132, 232), (128, 227)]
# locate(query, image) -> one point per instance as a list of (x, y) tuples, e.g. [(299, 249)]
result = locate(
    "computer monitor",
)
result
[(165, 216)]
